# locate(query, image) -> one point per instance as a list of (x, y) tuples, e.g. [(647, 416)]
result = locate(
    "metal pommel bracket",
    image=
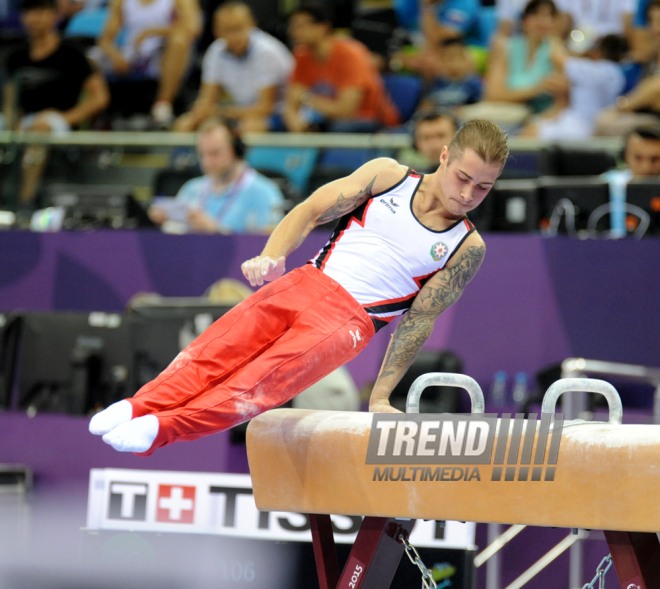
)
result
[(446, 379), (588, 385)]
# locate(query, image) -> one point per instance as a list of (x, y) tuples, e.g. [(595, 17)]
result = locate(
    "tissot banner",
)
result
[(210, 503)]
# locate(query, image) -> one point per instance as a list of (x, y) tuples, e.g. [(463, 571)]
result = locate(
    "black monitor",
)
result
[(98, 207), (162, 328), (582, 195), (73, 362), (645, 194), (514, 206), (9, 331)]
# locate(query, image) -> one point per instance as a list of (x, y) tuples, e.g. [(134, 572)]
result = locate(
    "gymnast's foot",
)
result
[(110, 418), (135, 436)]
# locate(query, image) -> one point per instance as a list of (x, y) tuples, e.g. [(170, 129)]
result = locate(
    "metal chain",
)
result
[(413, 555), (600, 574)]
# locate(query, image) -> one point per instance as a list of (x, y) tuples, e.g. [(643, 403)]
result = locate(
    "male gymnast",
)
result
[(403, 246)]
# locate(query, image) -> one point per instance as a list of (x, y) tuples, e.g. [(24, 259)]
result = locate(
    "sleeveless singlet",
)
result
[(383, 255), (137, 17)]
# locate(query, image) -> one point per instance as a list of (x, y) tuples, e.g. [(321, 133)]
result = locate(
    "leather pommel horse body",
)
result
[(606, 477)]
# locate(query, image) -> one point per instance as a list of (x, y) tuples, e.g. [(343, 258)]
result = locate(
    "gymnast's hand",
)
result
[(382, 406), (263, 269)]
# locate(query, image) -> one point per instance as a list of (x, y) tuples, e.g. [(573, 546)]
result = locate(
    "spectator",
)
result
[(457, 82), (46, 81), (594, 82), (230, 197), (334, 85), (508, 15), (432, 130), (159, 39), (248, 64), (642, 104), (521, 77), (440, 19), (641, 153)]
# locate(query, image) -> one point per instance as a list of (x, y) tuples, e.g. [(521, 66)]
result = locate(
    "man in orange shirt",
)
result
[(334, 85)]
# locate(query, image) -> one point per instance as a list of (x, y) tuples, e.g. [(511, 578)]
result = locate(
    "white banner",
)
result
[(223, 504)]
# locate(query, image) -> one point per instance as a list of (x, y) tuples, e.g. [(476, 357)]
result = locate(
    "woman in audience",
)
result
[(521, 77)]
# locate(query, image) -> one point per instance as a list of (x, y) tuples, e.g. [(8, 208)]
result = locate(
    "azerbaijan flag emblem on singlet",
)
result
[(438, 251)]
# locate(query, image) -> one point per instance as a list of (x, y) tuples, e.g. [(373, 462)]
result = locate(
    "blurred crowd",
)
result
[(551, 69)]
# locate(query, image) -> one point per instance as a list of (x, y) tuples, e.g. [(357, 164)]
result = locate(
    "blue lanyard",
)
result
[(230, 194)]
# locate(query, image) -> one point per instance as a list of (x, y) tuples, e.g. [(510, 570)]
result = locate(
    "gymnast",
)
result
[(403, 246)]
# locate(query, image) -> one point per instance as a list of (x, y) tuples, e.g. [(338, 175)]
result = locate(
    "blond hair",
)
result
[(486, 139)]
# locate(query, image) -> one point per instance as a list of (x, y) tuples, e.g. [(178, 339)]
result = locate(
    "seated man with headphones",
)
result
[(230, 197)]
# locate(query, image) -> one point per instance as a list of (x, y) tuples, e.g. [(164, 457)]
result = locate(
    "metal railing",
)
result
[(320, 140)]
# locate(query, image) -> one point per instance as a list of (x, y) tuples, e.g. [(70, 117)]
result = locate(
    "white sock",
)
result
[(136, 435), (110, 418)]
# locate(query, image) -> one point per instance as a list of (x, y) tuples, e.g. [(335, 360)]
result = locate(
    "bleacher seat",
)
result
[(487, 24), (633, 74), (348, 160), (405, 91), (296, 163), (87, 23)]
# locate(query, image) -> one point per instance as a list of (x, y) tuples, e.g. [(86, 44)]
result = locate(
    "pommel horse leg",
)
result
[(374, 557), (636, 558)]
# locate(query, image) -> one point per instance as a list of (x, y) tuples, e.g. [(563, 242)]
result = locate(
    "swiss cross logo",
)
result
[(176, 504)]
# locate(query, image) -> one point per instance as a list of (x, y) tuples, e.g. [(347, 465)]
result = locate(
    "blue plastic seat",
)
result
[(405, 91), (87, 23), (487, 24), (295, 163), (633, 74), (346, 159)]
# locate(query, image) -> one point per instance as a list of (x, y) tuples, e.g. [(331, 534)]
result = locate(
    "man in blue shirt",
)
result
[(230, 197), (441, 19)]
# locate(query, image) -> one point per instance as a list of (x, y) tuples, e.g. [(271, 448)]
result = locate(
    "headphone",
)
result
[(237, 144)]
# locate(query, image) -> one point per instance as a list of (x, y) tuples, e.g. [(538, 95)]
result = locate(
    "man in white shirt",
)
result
[(245, 65), (594, 83), (599, 17)]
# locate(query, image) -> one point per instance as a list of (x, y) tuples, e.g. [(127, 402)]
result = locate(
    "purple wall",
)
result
[(534, 302)]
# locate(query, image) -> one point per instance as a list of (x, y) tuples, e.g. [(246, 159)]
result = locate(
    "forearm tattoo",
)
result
[(416, 326), (345, 205)]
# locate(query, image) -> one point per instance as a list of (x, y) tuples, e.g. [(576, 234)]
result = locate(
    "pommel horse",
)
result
[(605, 476)]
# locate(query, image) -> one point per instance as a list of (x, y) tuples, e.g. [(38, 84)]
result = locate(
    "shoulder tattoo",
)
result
[(345, 204)]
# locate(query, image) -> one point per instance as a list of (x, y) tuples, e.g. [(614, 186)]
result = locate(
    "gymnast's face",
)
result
[(465, 181)]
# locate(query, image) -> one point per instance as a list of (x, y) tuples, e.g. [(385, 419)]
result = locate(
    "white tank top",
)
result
[(383, 255), (138, 16)]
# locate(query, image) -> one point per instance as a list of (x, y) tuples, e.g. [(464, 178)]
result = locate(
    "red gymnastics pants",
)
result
[(275, 344)]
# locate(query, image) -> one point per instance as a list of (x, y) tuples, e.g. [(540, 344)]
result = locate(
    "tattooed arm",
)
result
[(326, 204), (439, 293)]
